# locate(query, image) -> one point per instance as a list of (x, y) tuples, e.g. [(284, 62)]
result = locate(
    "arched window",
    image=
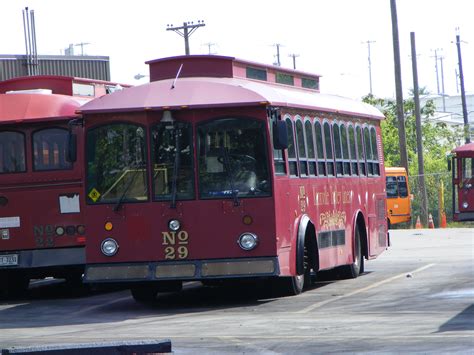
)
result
[(337, 148), (345, 150), (308, 132), (292, 161), (320, 148), (303, 159), (360, 150), (49, 149), (368, 151), (329, 151), (352, 150), (375, 162)]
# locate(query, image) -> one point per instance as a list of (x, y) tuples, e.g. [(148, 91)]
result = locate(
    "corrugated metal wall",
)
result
[(93, 67)]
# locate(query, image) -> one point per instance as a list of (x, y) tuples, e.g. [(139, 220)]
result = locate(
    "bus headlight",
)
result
[(174, 225), (465, 205), (248, 241), (109, 247)]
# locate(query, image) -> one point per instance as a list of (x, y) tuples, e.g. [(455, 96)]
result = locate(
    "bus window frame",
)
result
[(353, 148), (66, 147), (24, 136), (330, 161), (301, 149), (312, 161), (292, 161), (320, 153)]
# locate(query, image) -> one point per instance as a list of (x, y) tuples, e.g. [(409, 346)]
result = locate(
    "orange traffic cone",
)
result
[(443, 220), (418, 223), (430, 221)]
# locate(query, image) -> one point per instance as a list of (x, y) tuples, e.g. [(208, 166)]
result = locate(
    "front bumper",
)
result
[(184, 270)]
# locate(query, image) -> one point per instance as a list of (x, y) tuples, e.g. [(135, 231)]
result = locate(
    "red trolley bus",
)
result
[(41, 221), (221, 168), (463, 182)]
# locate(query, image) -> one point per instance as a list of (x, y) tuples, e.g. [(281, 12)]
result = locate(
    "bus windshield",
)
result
[(232, 159), (116, 164)]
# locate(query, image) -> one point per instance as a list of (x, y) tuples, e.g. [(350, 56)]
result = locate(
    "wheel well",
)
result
[(360, 225), (311, 244)]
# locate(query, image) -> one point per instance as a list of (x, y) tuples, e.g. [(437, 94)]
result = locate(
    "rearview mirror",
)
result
[(280, 135)]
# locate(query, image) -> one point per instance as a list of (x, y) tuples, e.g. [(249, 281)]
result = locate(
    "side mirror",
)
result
[(280, 135), (72, 147)]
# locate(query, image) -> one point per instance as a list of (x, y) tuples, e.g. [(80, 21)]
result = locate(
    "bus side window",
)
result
[(320, 148), (376, 163), (12, 152), (337, 149), (345, 150), (352, 149), (308, 130), (360, 149), (368, 151), (301, 148), (292, 161), (328, 146)]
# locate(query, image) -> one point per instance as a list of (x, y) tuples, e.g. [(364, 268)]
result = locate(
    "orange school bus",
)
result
[(222, 169), (398, 195)]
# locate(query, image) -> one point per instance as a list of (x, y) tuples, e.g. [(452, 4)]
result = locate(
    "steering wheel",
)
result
[(242, 159)]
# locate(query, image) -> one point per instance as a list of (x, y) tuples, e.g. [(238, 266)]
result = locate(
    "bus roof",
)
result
[(58, 84), (203, 92), (17, 108), (466, 150), (395, 170)]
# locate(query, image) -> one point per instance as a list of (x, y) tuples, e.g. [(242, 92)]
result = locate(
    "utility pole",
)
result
[(209, 46), (294, 56), (277, 45), (82, 44), (370, 64), (419, 142), (436, 69), (398, 87), (442, 83), (467, 132), (188, 29)]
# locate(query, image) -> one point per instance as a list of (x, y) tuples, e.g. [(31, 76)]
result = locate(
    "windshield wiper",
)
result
[(124, 193), (230, 175), (174, 181)]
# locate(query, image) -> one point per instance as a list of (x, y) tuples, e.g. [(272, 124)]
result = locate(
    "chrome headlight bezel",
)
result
[(247, 241), (109, 247), (465, 204)]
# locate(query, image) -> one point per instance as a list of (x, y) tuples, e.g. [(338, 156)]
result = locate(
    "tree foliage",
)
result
[(438, 140)]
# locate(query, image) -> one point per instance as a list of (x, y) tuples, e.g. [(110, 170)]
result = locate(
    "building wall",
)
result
[(92, 67)]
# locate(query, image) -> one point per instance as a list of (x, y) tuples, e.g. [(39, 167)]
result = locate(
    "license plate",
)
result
[(9, 259)]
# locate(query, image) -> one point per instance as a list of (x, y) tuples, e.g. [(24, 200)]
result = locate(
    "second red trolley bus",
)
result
[(224, 169)]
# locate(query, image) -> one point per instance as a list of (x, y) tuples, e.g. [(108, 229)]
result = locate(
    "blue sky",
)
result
[(328, 35)]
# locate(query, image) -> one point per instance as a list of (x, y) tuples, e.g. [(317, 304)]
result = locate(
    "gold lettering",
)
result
[(169, 238), (183, 237), (169, 253)]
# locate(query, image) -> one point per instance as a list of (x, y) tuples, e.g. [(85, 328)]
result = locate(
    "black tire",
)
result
[(294, 285), (353, 270), (145, 294), (15, 284)]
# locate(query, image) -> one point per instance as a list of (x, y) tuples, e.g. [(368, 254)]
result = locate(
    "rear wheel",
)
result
[(353, 270)]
